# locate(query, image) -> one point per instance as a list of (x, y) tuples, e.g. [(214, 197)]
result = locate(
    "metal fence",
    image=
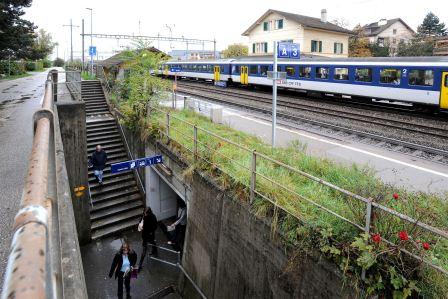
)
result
[(195, 141), (73, 83)]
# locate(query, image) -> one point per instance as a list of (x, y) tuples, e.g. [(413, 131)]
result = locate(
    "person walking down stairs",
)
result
[(98, 162)]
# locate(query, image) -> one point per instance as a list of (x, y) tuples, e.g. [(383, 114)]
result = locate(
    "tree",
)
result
[(341, 22), (416, 47), (235, 50), (380, 50), (17, 35), (42, 47), (58, 62), (431, 27), (358, 45)]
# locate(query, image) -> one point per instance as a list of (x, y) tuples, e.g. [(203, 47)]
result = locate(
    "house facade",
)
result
[(388, 32), (316, 36)]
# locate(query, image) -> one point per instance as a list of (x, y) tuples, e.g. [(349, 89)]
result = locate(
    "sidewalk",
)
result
[(97, 258)]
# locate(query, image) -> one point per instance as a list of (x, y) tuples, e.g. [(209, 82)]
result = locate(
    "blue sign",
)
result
[(221, 83), (175, 69), (133, 164), (92, 50), (288, 50)]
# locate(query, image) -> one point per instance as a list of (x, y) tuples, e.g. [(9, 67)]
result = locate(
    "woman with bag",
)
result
[(122, 266), (148, 226)]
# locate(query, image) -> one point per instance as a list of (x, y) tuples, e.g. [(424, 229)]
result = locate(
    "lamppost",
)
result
[(91, 39)]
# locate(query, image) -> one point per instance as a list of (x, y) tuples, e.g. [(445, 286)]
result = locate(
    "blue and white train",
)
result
[(420, 81)]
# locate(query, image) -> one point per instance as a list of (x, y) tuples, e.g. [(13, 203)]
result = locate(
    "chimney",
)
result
[(323, 15)]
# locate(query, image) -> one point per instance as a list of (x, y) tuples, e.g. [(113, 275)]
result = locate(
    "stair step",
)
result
[(94, 139), (102, 128), (135, 213), (136, 197), (119, 194), (102, 132), (116, 210), (115, 156), (114, 229), (107, 176), (106, 144), (108, 151), (107, 182), (99, 124), (107, 147), (110, 189)]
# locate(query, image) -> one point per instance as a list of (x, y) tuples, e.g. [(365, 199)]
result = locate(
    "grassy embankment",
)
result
[(307, 226)]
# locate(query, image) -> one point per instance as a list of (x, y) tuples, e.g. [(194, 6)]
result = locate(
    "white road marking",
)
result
[(347, 147)]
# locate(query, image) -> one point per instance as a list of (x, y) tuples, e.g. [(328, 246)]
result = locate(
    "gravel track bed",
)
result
[(361, 125)]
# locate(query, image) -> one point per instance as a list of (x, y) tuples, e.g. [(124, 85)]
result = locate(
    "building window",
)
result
[(322, 72), (394, 31), (381, 41), (305, 72), (260, 47), (421, 77), (338, 48), (290, 71), (265, 26), (253, 69), (316, 46), (279, 24), (363, 75), (390, 76), (340, 73), (394, 40)]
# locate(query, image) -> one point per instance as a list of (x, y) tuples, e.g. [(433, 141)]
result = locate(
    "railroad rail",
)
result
[(290, 111)]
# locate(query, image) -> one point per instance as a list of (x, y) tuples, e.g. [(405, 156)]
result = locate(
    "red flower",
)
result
[(403, 235), (376, 238), (426, 246), (395, 196)]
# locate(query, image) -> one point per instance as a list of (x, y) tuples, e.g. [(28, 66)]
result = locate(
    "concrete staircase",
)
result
[(118, 203)]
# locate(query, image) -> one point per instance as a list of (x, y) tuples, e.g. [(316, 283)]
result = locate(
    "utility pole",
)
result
[(214, 48), (274, 97), (91, 39), (83, 60), (71, 39)]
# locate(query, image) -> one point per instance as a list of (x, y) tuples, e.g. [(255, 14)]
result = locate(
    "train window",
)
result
[(322, 72), (305, 72), (390, 76), (290, 71), (253, 69), (446, 80), (279, 68), (363, 75), (236, 69), (421, 77), (264, 70), (222, 70), (340, 73)]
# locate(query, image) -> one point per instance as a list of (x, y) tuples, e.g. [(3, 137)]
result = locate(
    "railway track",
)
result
[(415, 136)]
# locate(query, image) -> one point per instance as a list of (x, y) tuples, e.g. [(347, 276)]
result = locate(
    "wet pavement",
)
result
[(97, 258), (18, 100)]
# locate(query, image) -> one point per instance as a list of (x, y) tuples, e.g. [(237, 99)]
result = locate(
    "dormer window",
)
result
[(279, 24), (273, 25)]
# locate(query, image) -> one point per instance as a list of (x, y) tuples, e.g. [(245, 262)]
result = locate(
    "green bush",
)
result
[(46, 63), (17, 67), (58, 62), (30, 66)]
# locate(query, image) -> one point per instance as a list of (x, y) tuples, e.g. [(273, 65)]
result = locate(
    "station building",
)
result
[(388, 32), (316, 36)]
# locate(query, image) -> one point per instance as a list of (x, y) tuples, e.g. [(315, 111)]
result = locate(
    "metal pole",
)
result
[(214, 48), (367, 230), (168, 125), (83, 59), (71, 41), (254, 176), (9, 65), (195, 144), (274, 96), (174, 91)]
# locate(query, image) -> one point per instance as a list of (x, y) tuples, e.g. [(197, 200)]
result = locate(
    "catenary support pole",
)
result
[(83, 59), (274, 96)]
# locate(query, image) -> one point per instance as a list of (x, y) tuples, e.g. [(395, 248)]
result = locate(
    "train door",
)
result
[(444, 91), (244, 76), (217, 70)]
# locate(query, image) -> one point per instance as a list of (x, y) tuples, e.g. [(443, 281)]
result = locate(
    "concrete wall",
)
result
[(72, 122)]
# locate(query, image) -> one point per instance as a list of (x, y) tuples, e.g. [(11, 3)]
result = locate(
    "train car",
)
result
[(417, 81)]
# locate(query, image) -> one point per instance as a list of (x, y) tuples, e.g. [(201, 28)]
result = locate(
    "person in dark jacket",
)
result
[(98, 162), (122, 265), (148, 234)]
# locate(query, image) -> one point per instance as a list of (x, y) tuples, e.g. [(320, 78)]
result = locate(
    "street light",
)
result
[(91, 39)]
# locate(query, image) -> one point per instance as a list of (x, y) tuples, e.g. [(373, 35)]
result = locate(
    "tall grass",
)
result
[(231, 166)]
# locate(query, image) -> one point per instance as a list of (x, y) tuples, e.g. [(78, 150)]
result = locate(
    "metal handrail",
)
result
[(253, 190), (29, 273)]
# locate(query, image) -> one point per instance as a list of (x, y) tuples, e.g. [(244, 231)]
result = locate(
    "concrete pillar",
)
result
[(54, 79), (72, 121)]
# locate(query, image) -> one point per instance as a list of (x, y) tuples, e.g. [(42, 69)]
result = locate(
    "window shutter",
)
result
[(335, 48), (280, 24), (342, 48), (265, 26), (265, 47), (320, 46), (253, 48)]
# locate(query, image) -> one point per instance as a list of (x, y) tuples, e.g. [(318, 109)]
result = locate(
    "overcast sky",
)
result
[(203, 19)]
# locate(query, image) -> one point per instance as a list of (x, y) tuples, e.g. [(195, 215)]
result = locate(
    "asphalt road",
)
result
[(18, 100)]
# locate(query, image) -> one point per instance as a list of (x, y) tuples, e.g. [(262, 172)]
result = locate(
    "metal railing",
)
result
[(73, 83), (31, 272), (259, 185), (178, 265)]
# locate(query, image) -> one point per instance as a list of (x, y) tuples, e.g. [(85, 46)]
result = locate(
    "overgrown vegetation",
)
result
[(304, 227)]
